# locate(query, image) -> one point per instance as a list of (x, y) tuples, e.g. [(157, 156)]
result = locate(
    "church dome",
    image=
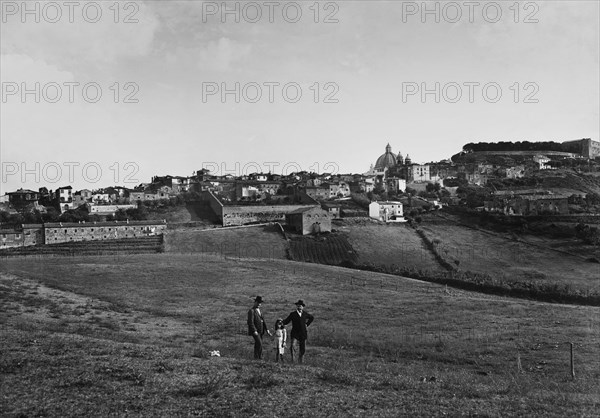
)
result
[(386, 160)]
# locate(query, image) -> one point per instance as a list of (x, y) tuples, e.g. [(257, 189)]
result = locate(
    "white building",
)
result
[(65, 198), (542, 161), (386, 211)]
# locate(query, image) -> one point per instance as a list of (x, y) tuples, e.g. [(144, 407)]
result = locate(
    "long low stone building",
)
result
[(232, 215), (54, 233)]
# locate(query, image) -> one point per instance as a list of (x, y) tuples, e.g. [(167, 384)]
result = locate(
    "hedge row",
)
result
[(467, 280)]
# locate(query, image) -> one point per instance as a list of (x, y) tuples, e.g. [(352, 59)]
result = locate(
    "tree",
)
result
[(138, 214), (74, 216), (592, 199), (432, 187), (361, 200), (378, 189), (51, 214), (33, 217), (121, 215)]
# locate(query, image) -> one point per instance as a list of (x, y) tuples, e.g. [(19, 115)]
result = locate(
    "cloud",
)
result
[(71, 44), (222, 54), (23, 68)]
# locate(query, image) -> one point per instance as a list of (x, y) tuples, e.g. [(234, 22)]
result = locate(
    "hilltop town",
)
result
[(517, 179)]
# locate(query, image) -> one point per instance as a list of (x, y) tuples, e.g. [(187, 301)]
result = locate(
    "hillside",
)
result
[(96, 337), (252, 241), (510, 258), (190, 212), (568, 182), (388, 245)]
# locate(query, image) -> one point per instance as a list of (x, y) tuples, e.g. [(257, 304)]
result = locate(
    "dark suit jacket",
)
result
[(299, 324), (256, 322)]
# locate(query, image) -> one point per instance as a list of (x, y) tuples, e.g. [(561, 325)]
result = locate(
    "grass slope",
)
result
[(389, 244), (511, 260), (330, 249), (256, 241), (95, 336)]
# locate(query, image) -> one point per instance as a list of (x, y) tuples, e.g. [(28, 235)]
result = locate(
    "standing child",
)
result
[(280, 339)]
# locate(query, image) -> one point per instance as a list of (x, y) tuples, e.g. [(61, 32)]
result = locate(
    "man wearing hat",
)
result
[(257, 326), (300, 321)]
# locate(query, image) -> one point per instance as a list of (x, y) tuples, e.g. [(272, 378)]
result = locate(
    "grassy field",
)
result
[(255, 241), (131, 335), (389, 244), (511, 259), (330, 249)]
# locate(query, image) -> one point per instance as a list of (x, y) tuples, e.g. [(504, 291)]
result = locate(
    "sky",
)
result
[(105, 93)]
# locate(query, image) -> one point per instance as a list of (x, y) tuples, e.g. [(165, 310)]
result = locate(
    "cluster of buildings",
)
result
[(527, 203), (305, 201)]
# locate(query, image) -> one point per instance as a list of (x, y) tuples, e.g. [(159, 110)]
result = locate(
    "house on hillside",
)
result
[(334, 210), (82, 197), (386, 211), (318, 192), (22, 198), (64, 197), (311, 220), (542, 162)]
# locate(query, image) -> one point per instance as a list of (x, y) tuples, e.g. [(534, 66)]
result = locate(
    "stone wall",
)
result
[(33, 234), (214, 203), (109, 209), (10, 238)]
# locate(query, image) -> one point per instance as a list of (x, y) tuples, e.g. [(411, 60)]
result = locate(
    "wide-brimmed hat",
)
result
[(258, 299), (300, 302)]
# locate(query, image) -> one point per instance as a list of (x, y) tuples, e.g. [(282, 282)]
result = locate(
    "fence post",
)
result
[(572, 362)]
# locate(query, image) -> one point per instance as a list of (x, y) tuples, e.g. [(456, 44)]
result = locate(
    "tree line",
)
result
[(522, 146)]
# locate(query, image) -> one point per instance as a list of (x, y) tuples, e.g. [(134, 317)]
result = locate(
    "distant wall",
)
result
[(33, 235), (10, 238), (214, 203), (528, 153), (109, 209)]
